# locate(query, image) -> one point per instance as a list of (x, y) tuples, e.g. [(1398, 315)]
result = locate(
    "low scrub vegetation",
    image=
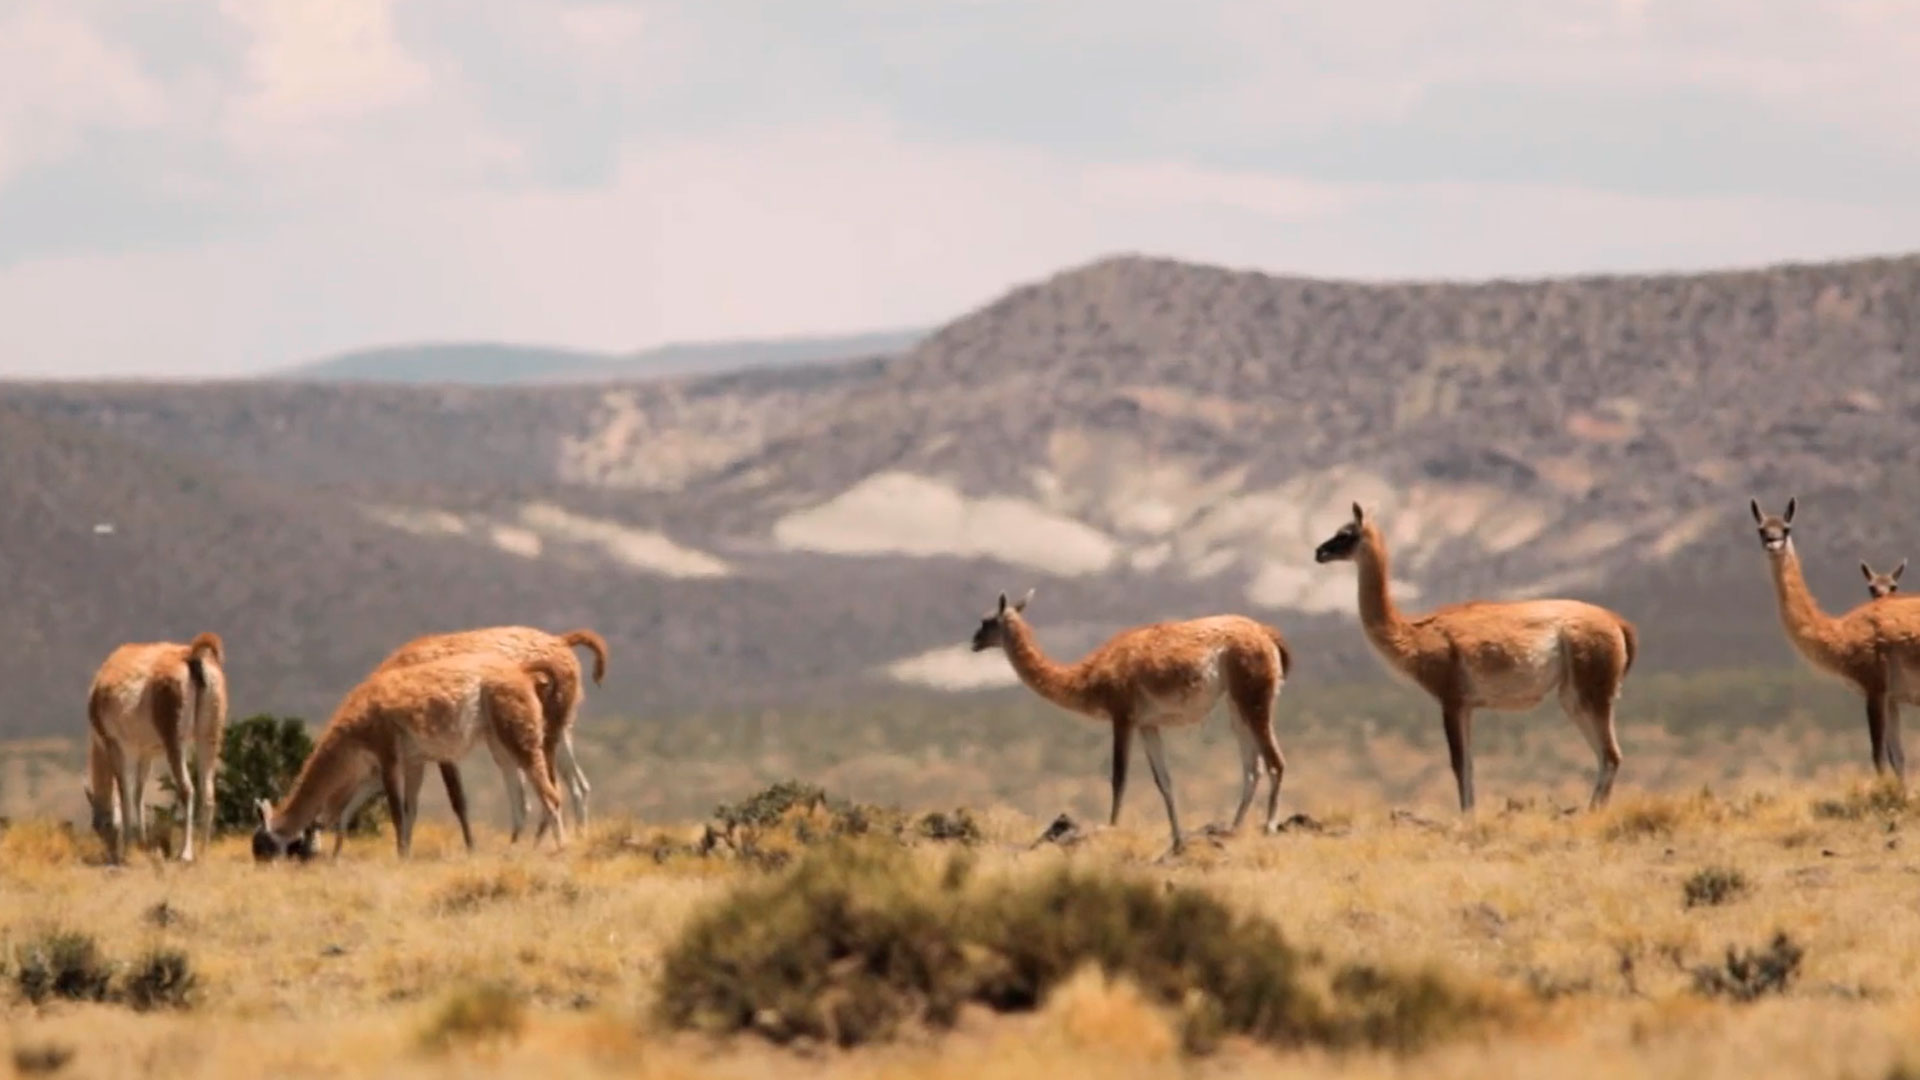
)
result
[(1715, 885), (862, 939), (41, 1058), (1873, 800), (161, 979), (69, 966), (478, 1015), (1751, 974), (61, 964), (770, 827)]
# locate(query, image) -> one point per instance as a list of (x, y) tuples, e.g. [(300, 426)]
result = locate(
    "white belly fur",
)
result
[(1187, 710), (437, 740), (1526, 684)]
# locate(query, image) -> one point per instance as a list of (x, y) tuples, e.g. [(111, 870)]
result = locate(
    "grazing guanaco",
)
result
[(341, 808), (1162, 675), (559, 702), (1500, 656), (1879, 585), (398, 719), (1875, 648), (149, 699)]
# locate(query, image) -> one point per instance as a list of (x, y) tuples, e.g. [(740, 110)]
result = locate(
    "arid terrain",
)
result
[(1138, 438), (1588, 944), (787, 562)]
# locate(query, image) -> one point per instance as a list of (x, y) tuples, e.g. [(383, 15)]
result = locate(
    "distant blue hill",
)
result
[(482, 362)]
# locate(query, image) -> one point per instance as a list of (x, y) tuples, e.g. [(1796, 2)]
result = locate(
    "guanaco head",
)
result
[(1879, 585), (102, 809), (1342, 544), (1774, 531), (993, 625), (268, 845)]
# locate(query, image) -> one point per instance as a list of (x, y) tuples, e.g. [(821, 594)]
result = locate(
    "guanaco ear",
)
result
[(1359, 515), (1866, 571), (1022, 605), (1754, 505), (1788, 516), (1898, 570), (1003, 605)]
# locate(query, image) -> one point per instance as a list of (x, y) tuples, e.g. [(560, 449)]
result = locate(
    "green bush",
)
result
[(768, 827), (259, 759), (861, 939)]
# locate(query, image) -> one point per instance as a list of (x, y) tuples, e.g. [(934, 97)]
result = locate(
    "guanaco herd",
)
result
[(516, 689)]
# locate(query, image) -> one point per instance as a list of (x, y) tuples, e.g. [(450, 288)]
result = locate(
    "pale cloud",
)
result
[(834, 228), (61, 80), (604, 33), (1165, 184), (311, 60), (293, 177)]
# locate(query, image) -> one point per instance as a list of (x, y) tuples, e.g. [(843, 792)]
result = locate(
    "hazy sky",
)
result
[(204, 187)]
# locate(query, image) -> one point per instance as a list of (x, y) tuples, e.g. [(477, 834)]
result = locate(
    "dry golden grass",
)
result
[(516, 959)]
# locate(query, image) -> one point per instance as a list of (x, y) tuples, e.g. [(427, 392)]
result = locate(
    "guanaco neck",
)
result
[(1056, 682), (1382, 621), (320, 786), (1813, 632)]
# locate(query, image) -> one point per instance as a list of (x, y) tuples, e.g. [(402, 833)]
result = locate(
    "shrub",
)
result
[(1749, 974), (471, 892), (770, 826), (1642, 820), (41, 1059), (958, 826), (61, 964), (163, 915), (159, 980), (489, 1012), (1715, 885), (766, 807), (1876, 799), (859, 940), (259, 758)]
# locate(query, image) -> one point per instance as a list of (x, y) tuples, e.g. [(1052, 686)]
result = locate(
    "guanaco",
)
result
[(149, 699), (399, 719), (1879, 585), (559, 702), (1162, 675), (1875, 648), (1499, 656)]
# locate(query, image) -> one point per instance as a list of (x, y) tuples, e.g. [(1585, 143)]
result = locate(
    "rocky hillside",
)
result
[(1139, 438)]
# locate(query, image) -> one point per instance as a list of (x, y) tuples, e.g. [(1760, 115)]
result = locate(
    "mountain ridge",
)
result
[(501, 363), (1138, 437)]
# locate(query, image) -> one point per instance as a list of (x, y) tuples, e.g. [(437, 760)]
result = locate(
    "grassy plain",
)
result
[(1743, 811), (368, 967)]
